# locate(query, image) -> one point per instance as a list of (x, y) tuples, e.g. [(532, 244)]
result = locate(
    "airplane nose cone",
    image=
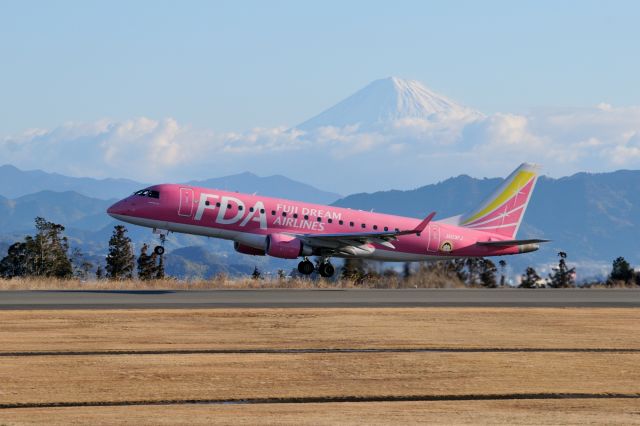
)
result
[(118, 208)]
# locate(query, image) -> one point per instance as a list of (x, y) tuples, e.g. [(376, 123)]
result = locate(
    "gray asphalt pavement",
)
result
[(284, 298)]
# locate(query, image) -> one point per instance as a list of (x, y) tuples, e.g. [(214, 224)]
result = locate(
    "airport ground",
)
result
[(320, 365)]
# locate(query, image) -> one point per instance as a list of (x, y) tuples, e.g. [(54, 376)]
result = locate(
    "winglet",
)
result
[(421, 226), (424, 223)]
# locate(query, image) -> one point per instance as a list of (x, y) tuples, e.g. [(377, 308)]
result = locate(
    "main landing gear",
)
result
[(306, 267), (325, 268)]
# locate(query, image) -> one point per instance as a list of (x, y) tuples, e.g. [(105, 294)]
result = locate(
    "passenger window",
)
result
[(306, 217), (262, 211), (375, 227), (251, 209), (229, 206), (350, 223), (295, 215), (206, 203), (363, 226), (217, 204), (386, 228), (341, 222), (330, 220), (284, 214), (319, 219), (273, 212), (240, 208)]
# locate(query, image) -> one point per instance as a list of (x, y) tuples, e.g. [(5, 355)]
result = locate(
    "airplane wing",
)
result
[(335, 241)]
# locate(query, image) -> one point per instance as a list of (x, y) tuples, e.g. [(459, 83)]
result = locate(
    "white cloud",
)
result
[(405, 153), (627, 152)]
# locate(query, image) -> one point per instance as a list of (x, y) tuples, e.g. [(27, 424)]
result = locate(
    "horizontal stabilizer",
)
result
[(507, 243)]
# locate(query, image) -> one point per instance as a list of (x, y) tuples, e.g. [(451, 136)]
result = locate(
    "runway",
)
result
[(335, 298)]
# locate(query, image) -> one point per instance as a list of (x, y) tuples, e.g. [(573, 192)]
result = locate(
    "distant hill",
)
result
[(271, 186), (593, 217), (16, 183), (68, 208)]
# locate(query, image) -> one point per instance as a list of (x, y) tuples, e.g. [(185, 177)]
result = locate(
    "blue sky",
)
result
[(171, 91), (236, 65)]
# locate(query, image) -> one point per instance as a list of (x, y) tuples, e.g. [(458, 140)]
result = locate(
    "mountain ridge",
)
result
[(15, 183)]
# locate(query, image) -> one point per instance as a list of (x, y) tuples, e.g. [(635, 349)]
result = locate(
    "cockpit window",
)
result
[(148, 193)]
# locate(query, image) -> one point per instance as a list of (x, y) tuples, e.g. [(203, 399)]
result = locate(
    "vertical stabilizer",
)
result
[(502, 212)]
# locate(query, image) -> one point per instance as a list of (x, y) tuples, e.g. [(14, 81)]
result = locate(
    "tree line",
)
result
[(48, 254), (482, 272)]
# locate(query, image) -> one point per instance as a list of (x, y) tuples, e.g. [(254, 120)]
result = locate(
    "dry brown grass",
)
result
[(575, 412), (225, 282), (319, 328), (209, 376), (233, 376)]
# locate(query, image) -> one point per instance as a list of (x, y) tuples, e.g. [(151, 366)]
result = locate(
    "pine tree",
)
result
[(146, 264), (487, 273), (353, 269), (256, 274), (14, 264), (159, 268), (562, 276), (81, 266), (621, 271), (530, 278), (457, 267), (99, 273), (503, 267), (120, 260), (51, 248), (45, 254), (473, 269), (406, 270)]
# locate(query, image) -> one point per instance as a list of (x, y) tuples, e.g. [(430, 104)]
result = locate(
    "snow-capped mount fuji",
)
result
[(385, 101)]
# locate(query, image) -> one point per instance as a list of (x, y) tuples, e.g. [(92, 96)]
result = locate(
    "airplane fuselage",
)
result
[(254, 222)]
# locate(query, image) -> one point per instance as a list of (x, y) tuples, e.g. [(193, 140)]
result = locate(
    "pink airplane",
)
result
[(290, 229)]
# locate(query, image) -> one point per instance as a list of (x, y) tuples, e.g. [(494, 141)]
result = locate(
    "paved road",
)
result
[(153, 299)]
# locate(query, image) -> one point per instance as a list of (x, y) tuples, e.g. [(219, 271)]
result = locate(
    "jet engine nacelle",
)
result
[(286, 247), (241, 248)]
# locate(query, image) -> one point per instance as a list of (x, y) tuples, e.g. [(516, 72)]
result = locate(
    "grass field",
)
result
[(432, 279), (515, 358), (572, 412)]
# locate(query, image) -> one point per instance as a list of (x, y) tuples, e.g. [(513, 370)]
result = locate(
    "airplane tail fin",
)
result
[(501, 213)]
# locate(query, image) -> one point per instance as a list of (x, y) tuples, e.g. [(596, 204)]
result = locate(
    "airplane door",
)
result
[(186, 202), (434, 238)]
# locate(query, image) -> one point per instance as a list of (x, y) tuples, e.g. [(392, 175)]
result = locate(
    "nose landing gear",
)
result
[(159, 250)]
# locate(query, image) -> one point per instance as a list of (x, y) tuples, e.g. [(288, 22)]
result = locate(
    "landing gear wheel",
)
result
[(326, 270), (305, 267), (159, 250)]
